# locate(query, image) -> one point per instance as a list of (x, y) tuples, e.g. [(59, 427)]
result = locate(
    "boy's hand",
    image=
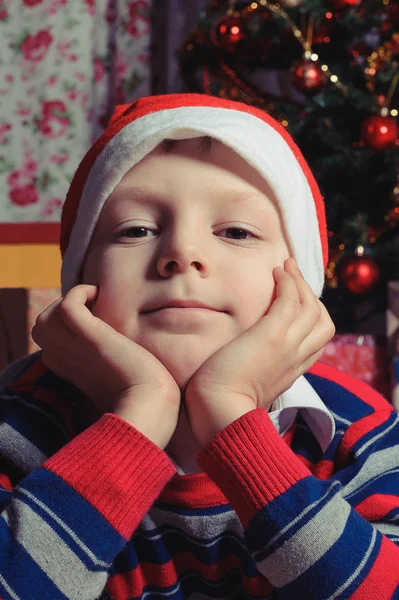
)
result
[(252, 370), (118, 375)]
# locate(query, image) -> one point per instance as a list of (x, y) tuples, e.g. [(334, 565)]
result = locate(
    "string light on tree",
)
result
[(291, 3)]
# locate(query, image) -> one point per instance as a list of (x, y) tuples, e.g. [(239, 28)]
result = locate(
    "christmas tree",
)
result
[(328, 71)]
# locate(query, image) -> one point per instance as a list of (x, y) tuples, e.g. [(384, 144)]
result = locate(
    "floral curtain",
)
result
[(64, 64)]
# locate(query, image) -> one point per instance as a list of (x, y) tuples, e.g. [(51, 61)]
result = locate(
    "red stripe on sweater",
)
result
[(361, 428), (30, 376), (5, 483), (358, 388), (322, 470), (377, 506), (383, 578)]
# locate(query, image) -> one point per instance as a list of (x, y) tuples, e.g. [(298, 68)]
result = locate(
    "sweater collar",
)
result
[(302, 397)]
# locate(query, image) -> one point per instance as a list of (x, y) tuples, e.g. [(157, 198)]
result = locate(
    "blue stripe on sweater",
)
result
[(14, 562), (385, 483), (281, 512), (85, 521), (340, 400), (373, 439), (33, 422), (321, 580), (209, 551), (90, 562), (296, 521)]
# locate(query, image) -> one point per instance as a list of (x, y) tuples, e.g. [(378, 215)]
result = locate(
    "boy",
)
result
[(160, 449)]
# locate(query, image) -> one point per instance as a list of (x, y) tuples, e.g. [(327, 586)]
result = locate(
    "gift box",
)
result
[(392, 319), (13, 338), (361, 356), (395, 382), (19, 309)]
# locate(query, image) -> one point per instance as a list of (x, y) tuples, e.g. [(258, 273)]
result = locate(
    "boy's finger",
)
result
[(304, 290), (311, 360), (286, 305), (73, 309)]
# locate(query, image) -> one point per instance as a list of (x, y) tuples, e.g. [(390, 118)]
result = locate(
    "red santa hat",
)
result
[(136, 129)]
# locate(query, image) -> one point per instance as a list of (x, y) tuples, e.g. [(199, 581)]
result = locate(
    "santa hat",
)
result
[(136, 129)]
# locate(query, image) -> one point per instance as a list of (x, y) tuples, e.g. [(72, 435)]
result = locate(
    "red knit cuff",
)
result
[(251, 463), (116, 468)]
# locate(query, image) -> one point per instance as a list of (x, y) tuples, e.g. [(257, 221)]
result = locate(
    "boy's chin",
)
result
[(183, 365), (182, 373)]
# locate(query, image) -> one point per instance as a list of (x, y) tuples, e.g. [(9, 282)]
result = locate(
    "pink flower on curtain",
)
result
[(24, 195), (99, 70), (31, 166), (54, 121), (91, 7), (35, 47), (59, 159), (52, 128), (121, 66), (4, 129), (52, 204), (3, 14), (19, 178), (32, 2), (52, 80), (139, 18), (22, 111), (55, 108), (72, 94)]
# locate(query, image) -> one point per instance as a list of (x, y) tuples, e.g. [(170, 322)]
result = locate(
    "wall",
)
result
[(30, 265)]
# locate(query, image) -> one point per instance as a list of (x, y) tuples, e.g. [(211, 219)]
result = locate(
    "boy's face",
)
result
[(173, 229)]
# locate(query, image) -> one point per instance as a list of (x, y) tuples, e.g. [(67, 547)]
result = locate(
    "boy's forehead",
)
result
[(235, 170)]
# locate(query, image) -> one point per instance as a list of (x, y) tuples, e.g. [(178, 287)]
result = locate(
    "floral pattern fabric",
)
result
[(64, 65)]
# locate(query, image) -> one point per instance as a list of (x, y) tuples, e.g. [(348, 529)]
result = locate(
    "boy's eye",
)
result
[(138, 231), (135, 229)]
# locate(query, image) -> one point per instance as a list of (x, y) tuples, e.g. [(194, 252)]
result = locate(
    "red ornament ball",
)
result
[(307, 76), (358, 274), (342, 4), (380, 132), (227, 32)]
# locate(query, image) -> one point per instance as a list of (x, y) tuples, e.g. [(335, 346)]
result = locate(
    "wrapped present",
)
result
[(19, 309), (395, 382), (362, 357), (13, 338), (392, 319), (38, 300)]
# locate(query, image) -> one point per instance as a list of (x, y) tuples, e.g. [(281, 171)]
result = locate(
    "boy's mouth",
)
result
[(182, 304)]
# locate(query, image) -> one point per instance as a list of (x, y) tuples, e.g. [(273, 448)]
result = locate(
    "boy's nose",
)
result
[(181, 264), (183, 248), (183, 257)]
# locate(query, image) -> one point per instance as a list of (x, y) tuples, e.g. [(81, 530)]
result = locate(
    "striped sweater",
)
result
[(91, 508)]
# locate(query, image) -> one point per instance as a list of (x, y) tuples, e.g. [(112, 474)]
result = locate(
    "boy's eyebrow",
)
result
[(143, 195)]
